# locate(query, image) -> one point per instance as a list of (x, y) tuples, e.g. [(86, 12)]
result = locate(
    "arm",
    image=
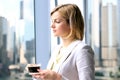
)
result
[(85, 63)]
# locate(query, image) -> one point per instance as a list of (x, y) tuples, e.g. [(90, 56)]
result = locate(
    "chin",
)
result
[(55, 35)]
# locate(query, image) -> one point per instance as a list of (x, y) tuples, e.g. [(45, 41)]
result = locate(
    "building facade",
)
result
[(109, 40)]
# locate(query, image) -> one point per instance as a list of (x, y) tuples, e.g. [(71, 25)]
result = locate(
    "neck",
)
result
[(66, 42)]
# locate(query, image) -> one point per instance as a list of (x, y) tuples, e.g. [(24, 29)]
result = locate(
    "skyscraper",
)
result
[(0, 32), (118, 30), (109, 40), (3, 29), (21, 9)]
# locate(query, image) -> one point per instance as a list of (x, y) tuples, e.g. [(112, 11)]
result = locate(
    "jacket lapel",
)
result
[(68, 51), (52, 59)]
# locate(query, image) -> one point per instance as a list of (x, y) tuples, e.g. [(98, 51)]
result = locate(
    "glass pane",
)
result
[(103, 33), (17, 40)]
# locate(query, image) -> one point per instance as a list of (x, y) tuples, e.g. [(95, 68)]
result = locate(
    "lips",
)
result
[(54, 31)]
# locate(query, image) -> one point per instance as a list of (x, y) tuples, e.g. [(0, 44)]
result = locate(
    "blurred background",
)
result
[(25, 35)]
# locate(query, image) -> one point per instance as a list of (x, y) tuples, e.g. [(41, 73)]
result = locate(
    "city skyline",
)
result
[(12, 14)]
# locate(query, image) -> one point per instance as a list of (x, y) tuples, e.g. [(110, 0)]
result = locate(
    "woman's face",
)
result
[(59, 25)]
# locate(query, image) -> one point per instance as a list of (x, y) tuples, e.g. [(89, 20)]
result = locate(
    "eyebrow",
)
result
[(61, 19)]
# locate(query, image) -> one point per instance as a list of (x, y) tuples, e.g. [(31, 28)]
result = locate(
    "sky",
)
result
[(11, 11), (109, 1)]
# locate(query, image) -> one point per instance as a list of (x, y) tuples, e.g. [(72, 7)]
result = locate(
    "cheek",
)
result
[(64, 29)]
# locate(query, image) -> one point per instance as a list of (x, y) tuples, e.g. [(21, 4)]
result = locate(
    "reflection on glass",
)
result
[(103, 33), (17, 41)]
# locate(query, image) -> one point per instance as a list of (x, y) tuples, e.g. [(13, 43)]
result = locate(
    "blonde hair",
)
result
[(72, 14)]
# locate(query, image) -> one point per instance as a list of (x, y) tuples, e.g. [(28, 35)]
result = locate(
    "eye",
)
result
[(57, 21)]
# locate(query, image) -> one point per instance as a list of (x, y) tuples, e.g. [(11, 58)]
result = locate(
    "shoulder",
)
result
[(84, 54), (82, 48), (82, 45)]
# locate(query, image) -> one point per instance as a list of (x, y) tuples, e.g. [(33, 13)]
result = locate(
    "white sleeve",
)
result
[(64, 78), (85, 64)]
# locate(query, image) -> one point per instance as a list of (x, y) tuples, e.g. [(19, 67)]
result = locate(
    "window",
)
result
[(102, 19), (17, 38)]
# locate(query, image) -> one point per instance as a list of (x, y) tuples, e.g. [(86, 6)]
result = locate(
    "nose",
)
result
[(52, 25)]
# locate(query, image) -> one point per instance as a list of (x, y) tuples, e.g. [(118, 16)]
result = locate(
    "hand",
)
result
[(47, 75)]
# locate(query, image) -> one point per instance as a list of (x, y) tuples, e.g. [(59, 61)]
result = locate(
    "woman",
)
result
[(72, 59)]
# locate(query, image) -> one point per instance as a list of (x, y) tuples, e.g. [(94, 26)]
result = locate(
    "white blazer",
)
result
[(77, 63)]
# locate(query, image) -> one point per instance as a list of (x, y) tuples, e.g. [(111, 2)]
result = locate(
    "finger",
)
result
[(37, 76), (39, 70)]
